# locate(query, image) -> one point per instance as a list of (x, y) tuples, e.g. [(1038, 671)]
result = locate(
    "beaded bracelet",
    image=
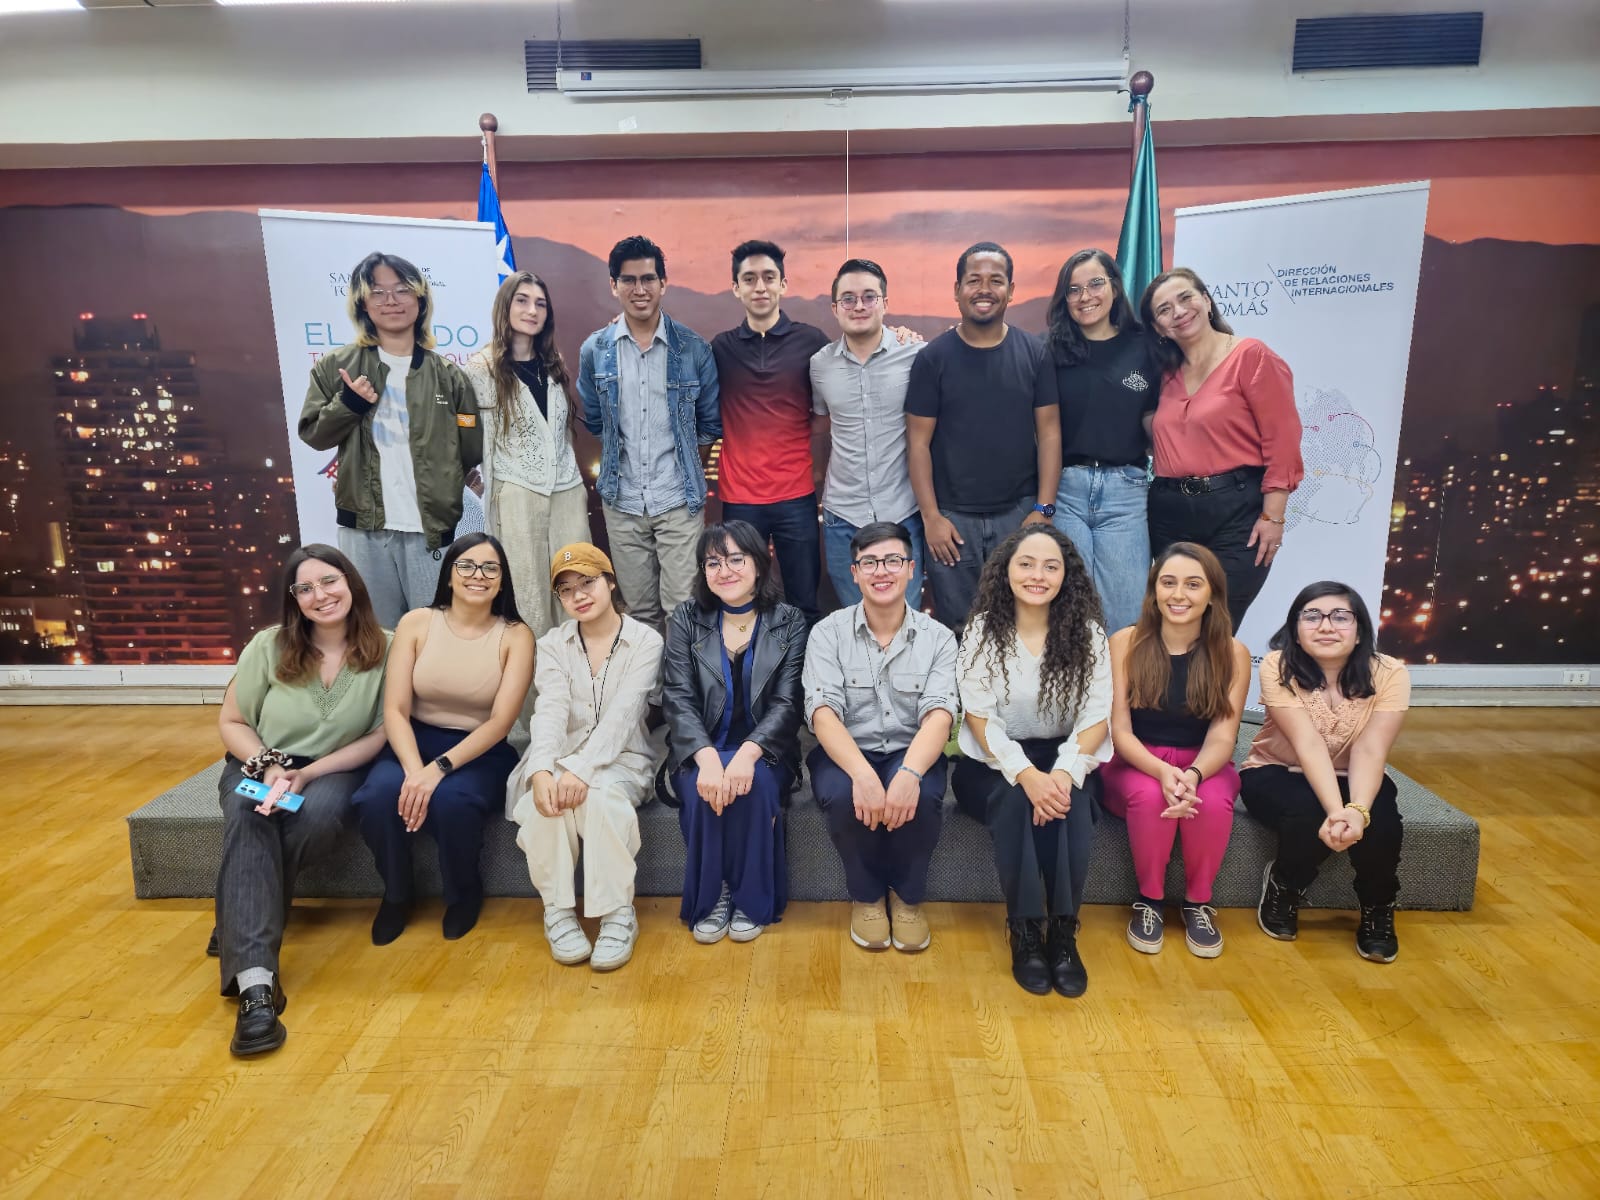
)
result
[(256, 765), (910, 771)]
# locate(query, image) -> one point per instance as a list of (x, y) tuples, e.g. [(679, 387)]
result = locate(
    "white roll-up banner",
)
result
[(1328, 281), (309, 259)]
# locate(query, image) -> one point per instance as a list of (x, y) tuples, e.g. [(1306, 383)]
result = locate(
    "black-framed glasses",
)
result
[(1340, 618), (568, 590), (864, 300), (871, 564), (628, 282), (325, 584), (467, 569), (1093, 287), (398, 294), (734, 562)]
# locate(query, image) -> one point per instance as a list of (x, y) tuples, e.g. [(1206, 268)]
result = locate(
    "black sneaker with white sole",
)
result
[(1278, 913), (1375, 936)]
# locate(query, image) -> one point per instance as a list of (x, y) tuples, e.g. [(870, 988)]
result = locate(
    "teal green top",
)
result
[(305, 719)]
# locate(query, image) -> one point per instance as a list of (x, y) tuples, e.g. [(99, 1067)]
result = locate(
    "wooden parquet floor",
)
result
[(799, 1066)]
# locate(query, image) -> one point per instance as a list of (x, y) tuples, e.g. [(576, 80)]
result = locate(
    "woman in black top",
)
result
[(1108, 390), (1178, 683), (732, 699)]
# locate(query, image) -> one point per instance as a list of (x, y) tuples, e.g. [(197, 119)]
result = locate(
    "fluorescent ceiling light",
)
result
[(600, 83), (7, 7), (250, 3)]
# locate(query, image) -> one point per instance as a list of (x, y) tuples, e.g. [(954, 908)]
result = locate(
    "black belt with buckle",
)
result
[(1200, 485)]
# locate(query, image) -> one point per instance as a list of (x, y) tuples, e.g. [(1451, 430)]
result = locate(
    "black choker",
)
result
[(743, 608)]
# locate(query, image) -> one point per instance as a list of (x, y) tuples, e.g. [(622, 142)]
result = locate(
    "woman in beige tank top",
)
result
[(458, 672)]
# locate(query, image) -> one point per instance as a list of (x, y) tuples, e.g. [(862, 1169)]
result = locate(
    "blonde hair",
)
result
[(361, 286)]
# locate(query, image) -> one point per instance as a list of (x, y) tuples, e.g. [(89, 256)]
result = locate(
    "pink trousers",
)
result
[(1136, 797)]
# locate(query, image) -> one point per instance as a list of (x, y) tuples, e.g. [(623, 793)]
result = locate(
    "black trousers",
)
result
[(1042, 868), (1220, 521), (876, 860), (1281, 799)]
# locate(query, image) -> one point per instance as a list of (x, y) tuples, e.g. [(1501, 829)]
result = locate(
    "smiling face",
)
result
[(1330, 644), (883, 582), (638, 287), (1181, 310), (391, 304), (731, 575), (1182, 592), (983, 291), (469, 576), (529, 310), (759, 286), (1090, 305), (1036, 570), (586, 597), (321, 592)]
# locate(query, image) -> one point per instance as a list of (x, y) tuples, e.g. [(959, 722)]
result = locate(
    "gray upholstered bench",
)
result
[(176, 843)]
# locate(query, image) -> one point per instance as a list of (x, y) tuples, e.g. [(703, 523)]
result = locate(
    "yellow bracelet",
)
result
[(1366, 814), (1274, 520)]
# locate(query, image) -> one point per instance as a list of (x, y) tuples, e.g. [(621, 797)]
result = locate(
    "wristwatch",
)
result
[(444, 764), (1048, 510)]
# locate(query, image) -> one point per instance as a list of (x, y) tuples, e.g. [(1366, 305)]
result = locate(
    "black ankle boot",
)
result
[(390, 922), (1067, 972), (1028, 967)]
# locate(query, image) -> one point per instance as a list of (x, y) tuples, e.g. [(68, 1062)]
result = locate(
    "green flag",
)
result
[(1139, 247)]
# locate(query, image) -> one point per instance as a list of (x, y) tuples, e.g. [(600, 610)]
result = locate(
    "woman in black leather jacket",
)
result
[(731, 694)]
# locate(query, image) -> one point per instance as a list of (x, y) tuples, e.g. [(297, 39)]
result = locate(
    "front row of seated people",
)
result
[(408, 735)]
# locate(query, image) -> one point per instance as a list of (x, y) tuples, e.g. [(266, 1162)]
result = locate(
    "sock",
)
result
[(254, 977)]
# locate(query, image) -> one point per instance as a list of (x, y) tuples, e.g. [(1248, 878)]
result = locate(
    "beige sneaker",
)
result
[(869, 926), (909, 928)]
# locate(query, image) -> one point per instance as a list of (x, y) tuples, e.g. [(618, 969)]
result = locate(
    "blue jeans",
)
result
[(836, 535), (792, 527), (1103, 511)]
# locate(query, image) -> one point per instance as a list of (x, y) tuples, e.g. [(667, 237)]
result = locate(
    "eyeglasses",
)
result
[(467, 569), (1342, 618), (568, 590), (892, 563), (399, 294), (326, 584), (1095, 285), (628, 283), (734, 562), (864, 300)]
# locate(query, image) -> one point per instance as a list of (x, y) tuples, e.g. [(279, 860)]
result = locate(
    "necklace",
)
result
[(597, 687), (747, 611)]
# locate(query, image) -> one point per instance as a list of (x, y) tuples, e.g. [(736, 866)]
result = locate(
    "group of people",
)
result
[(1007, 469)]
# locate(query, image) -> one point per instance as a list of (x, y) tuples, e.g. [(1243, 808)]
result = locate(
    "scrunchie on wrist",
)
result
[(256, 765)]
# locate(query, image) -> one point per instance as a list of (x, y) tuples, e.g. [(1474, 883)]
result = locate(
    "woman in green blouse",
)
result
[(305, 710)]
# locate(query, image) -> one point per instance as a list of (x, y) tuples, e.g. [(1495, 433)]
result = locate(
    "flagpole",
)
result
[(1139, 87), (489, 124)]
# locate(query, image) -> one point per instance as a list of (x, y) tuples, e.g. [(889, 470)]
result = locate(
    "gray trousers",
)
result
[(262, 856), (955, 588), (400, 572), (654, 557)]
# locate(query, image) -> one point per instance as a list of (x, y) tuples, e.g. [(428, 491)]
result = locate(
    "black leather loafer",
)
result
[(257, 1028)]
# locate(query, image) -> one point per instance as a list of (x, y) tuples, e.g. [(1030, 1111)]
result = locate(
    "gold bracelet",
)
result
[(1274, 520), (1366, 814)]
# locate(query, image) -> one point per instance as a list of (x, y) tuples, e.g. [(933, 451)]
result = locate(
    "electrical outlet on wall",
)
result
[(19, 678), (1568, 678)]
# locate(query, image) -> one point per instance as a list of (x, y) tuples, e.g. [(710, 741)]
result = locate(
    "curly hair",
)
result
[(1069, 644)]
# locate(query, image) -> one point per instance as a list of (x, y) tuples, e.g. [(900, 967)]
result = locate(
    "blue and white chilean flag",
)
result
[(489, 210)]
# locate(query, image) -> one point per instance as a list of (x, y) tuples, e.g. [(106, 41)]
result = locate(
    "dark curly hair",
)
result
[(1068, 665)]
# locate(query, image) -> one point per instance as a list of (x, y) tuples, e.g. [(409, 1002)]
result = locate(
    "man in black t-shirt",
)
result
[(984, 433)]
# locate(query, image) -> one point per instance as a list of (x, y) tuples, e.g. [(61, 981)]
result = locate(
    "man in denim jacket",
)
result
[(649, 390)]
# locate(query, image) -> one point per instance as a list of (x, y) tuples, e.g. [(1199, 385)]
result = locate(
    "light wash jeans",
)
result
[(1102, 509), (836, 535)]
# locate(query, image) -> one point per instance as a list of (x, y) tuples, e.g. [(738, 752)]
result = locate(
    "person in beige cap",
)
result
[(589, 763)]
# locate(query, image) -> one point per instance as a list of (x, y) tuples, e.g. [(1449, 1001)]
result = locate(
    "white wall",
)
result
[(399, 82)]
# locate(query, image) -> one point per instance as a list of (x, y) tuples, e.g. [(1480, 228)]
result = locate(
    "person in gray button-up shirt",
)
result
[(880, 694)]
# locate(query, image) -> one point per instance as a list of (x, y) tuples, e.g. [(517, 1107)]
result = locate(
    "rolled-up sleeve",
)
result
[(941, 689), (822, 677), (1269, 391), (1096, 708), (978, 700)]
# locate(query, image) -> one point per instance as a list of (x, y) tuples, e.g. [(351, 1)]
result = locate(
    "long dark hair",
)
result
[(1296, 666), (746, 540), (1168, 354), (298, 656), (1067, 668), (361, 285), (507, 389), (505, 600), (1210, 663), (1066, 336)]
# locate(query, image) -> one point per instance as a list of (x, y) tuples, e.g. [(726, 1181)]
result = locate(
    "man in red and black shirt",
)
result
[(764, 368)]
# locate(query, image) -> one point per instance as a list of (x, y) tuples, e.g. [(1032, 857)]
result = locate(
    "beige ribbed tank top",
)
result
[(454, 680)]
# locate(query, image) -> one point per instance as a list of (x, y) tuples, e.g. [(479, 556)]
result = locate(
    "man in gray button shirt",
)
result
[(649, 389), (858, 388), (880, 689)]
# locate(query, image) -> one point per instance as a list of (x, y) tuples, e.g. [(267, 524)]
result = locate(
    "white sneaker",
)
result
[(568, 943), (618, 932), (712, 927), (743, 929)]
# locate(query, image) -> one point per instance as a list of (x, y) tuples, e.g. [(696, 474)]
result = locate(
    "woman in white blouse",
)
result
[(533, 496), (1035, 680), (590, 762)]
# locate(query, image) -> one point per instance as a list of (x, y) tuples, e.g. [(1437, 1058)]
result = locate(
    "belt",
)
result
[(1200, 485), (1078, 460)]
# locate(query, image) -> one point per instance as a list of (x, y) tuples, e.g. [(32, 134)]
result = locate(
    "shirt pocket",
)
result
[(908, 688)]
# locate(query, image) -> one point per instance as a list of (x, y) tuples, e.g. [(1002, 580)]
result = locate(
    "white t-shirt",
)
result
[(391, 432)]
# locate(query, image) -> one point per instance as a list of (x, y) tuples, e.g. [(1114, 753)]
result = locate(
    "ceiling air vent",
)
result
[(607, 54), (1452, 39)]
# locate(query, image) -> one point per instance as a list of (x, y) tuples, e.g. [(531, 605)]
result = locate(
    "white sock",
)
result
[(253, 977)]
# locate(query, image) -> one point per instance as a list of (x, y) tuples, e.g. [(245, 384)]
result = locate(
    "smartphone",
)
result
[(255, 790)]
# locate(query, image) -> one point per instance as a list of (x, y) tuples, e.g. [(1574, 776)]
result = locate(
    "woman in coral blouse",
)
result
[(1226, 437)]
